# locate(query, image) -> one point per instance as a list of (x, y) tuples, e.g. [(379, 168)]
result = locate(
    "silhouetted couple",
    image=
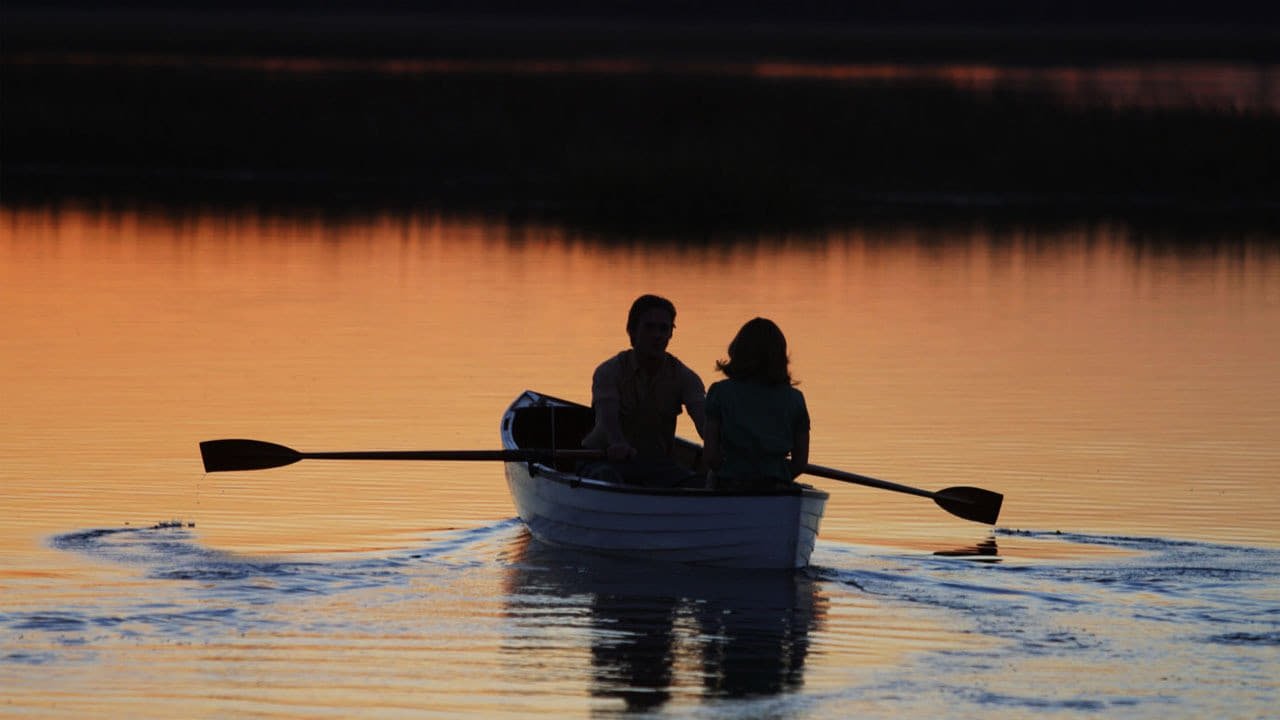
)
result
[(754, 423)]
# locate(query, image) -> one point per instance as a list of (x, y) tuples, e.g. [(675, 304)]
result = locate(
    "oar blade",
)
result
[(228, 455), (970, 503)]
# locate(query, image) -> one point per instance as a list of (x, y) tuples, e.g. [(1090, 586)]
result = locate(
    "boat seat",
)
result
[(549, 426), (562, 428)]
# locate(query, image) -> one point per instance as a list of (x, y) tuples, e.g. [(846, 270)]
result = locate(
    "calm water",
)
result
[(1119, 387)]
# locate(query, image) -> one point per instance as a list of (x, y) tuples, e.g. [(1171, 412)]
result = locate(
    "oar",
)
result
[(970, 503), (226, 455)]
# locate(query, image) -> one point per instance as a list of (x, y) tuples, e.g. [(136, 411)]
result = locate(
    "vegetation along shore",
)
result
[(604, 145)]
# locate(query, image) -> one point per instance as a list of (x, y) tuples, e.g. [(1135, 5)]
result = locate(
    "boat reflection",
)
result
[(660, 629)]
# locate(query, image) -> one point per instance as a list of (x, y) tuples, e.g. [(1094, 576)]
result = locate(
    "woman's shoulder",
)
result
[(726, 385), (794, 395), (738, 388)]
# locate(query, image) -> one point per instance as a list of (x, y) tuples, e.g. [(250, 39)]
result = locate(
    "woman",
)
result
[(757, 427)]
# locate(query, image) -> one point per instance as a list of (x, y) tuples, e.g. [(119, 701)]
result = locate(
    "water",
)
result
[(486, 621), (1116, 383)]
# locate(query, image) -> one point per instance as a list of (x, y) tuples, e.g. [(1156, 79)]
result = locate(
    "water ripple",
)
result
[(658, 635)]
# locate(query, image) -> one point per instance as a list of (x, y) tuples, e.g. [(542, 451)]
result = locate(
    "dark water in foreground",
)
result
[(485, 620)]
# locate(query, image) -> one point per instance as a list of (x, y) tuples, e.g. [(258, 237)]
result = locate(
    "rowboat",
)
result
[(773, 529), (564, 506)]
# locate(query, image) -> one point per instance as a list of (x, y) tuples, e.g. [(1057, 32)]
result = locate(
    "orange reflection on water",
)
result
[(1101, 387)]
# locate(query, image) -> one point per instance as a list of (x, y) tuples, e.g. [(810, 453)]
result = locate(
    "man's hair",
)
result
[(644, 304), (758, 352)]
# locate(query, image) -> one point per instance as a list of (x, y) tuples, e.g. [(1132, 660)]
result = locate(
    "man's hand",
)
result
[(620, 451)]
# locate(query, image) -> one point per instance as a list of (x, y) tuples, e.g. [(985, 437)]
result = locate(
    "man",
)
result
[(637, 396)]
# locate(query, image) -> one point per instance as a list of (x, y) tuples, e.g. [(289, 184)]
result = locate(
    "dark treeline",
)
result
[(677, 149), (1240, 12), (996, 31), (371, 35)]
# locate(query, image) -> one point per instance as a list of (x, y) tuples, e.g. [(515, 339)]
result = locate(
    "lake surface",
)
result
[(1118, 384)]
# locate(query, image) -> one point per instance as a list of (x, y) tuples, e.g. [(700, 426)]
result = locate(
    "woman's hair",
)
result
[(758, 352)]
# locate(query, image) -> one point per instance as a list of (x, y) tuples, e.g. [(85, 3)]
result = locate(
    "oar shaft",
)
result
[(969, 503), (460, 455), (241, 454), (834, 474)]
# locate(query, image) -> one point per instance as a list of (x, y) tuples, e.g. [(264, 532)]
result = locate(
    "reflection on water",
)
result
[(746, 633), (983, 551), (484, 623), (1222, 85), (1117, 385), (1102, 377)]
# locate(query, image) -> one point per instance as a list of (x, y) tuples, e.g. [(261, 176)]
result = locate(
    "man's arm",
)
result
[(609, 419), (698, 413), (608, 407), (694, 397), (711, 451)]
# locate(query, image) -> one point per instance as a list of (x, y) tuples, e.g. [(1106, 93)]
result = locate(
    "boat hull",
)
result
[(745, 530)]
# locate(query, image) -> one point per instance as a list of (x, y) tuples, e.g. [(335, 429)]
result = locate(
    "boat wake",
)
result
[(1153, 626), (189, 590), (1137, 627), (169, 551)]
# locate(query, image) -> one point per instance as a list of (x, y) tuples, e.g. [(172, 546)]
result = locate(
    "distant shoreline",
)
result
[(177, 189), (329, 33), (602, 148)]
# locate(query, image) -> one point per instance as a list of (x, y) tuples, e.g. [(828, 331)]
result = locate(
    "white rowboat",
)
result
[(762, 529), (541, 438)]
